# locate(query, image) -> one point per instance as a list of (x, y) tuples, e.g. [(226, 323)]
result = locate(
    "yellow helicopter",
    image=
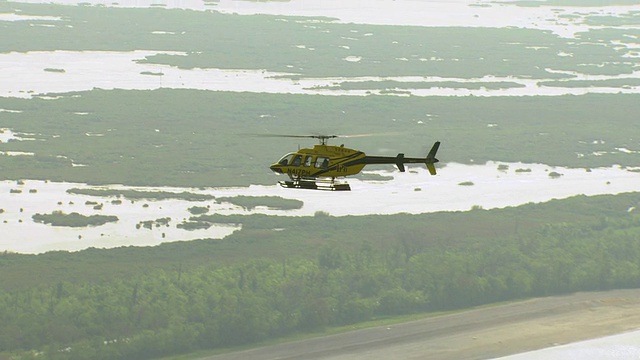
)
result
[(319, 167)]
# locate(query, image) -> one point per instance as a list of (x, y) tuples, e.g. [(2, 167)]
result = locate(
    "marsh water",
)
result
[(457, 187)]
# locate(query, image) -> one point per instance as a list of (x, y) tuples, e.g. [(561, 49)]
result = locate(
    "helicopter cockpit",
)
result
[(293, 159), (286, 160)]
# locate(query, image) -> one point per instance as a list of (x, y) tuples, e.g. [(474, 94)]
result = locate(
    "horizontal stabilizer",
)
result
[(400, 162), (432, 168)]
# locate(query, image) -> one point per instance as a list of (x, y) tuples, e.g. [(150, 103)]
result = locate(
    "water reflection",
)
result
[(457, 187)]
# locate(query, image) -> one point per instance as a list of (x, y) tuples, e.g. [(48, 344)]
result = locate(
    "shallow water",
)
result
[(21, 234), (414, 191)]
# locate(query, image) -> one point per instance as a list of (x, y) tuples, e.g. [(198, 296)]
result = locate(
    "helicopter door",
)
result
[(296, 160), (307, 160), (322, 162)]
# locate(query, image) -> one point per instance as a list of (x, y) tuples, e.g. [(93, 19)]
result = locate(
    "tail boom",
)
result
[(400, 160)]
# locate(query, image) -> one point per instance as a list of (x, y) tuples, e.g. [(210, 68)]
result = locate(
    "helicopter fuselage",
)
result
[(317, 168), (327, 161), (322, 161)]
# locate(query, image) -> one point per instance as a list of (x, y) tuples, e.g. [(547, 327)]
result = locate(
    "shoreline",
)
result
[(482, 333)]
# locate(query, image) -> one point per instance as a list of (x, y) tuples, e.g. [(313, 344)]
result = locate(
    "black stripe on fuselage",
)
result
[(344, 161)]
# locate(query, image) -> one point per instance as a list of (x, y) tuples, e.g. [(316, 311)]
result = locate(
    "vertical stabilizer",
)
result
[(431, 158)]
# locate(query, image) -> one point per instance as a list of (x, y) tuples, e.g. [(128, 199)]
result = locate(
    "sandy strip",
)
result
[(483, 333)]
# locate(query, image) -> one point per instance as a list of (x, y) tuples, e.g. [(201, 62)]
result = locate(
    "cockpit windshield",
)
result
[(286, 160)]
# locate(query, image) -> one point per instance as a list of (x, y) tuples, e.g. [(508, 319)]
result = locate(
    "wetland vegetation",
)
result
[(311, 274), (150, 224), (74, 219), (140, 194), (272, 202)]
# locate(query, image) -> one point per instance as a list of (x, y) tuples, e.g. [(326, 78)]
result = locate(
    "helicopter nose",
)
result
[(276, 169)]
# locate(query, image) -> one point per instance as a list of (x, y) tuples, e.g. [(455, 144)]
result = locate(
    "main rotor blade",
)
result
[(323, 136), (296, 136), (388, 133)]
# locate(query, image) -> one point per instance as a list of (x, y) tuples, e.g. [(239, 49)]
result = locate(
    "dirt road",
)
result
[(483, 333)]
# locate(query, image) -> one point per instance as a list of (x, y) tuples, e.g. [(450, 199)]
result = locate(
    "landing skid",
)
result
[(315, 184)]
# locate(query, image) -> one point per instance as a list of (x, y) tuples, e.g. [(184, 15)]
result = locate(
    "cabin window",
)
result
[(322, 162), (307, 160), (286, 160), (297, 160)]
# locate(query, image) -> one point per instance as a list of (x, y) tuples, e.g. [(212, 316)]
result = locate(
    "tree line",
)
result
[(213, 306)]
